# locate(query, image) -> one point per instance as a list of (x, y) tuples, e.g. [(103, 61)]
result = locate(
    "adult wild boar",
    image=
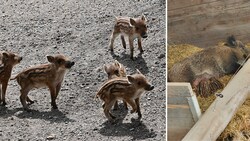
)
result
[(204, 68)]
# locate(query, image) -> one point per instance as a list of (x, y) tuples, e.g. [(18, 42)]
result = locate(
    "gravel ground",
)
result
[(81, 29)]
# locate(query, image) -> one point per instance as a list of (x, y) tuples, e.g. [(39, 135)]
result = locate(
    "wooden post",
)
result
[(218, 115)]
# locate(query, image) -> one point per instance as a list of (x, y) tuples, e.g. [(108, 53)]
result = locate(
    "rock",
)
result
[(51, 137), (161, 56), (11, 118), (156, 62), (95, 129)]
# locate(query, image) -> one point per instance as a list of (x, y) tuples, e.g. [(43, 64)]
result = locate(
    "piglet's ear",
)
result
[(131, 79), (138, 71), (117, 64), (105, 68), (50, 59), (132, 21), (5, 55), (143, 17)]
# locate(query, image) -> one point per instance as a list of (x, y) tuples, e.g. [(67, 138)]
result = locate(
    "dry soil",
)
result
[(81, 29)]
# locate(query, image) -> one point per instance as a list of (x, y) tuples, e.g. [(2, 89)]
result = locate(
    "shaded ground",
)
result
[(81, 30)]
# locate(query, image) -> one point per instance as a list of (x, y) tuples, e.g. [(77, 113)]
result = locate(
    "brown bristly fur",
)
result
[(46, 75), (133, 28), (129, 89), (7, 61), (115, 70), (205, 67), (239, 122)]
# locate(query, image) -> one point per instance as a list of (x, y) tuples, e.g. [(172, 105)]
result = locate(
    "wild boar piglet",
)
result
[(133, 28), (115, 70), (129, 89), (49, 75), (7, 61)]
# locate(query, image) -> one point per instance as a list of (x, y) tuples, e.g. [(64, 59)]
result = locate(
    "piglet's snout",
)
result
[(145, 35), (69, 64), (20, 59), (149, 87)]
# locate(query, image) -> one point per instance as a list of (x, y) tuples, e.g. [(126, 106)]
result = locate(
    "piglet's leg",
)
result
[(131, 44), (132, 103), (58, 87), (53, 96), (116, 105), (125, 104), (23, 97), (139, 45), (137, 101), (112, 39), (0, 93), (123, 42), (4, 88), (108, 105), (29, 100)]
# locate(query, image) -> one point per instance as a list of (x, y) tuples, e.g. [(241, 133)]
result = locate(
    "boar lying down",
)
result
[(204, 68)]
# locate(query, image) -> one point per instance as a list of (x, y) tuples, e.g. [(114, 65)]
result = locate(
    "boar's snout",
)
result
[(69, 64), (149, 87)]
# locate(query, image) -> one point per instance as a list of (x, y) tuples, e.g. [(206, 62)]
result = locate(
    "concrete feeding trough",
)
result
[(183, 110)]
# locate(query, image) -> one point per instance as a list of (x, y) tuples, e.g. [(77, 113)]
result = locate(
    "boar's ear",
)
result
[(143, 17), (131, 78), (51, 59), (231, 41), (138, 71), (132, 21)]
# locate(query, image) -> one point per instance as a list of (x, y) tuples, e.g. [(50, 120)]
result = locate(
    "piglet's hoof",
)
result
[(113, 117), (112, 121), (54, 107), (139, 115), (4, 104), (141, 52), (132, 111), (27, 109), (31, 102)]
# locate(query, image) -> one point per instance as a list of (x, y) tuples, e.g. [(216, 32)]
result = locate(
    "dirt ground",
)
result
[(81, 29)]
